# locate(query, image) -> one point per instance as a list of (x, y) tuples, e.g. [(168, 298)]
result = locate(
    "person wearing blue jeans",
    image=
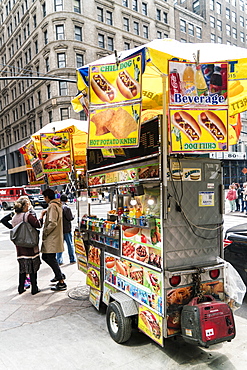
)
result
[(67, 227)]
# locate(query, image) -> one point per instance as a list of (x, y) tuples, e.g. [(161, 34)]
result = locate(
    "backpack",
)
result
[(24, 235)]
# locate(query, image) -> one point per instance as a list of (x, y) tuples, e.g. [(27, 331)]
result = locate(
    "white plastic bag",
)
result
[(234, 286)]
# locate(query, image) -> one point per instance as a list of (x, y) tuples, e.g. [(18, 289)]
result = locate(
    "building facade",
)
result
[(51, 39), (42, 42)]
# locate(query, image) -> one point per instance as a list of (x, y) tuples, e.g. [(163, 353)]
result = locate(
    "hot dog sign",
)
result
[(198, 107)]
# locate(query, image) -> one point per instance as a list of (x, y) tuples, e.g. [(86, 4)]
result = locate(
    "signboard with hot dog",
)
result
[(115, 104), (198, 107), (198, 130), (151, 324)]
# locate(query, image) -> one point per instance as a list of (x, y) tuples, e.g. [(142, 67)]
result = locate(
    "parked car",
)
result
[(235, 249)]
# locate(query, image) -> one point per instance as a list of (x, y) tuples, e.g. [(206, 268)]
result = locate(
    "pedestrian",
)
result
[(57, 194), (67, 227), (231, 196), (52, 239), (239, 194), (71, 197), (6, 221), (245, 196), (241, 198), (28, 258)]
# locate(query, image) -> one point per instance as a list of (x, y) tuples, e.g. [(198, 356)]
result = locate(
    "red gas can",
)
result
[(208, 322)]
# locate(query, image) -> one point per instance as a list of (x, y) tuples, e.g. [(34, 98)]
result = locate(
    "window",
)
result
[(159, 35), (218, 8), (60, 32), (39, 97), (125, 3), (241, 21), (241, 5), (228, 14), (144, 9), (234, 2), (79, 60), (101, 41), (212, 22), (110, 43), (58, 5), (61, 60), (211, 4), (47, 66), (219, 40), (44, 10), (78, 33), (234, 33), (36, 46), (77, 6), (234, 17), (63, 89), (45, 37), (213, 38), (191, 29), (109, 18), (196, 7), (126, 46), (242, 36), (158, 14), (136, 28), (83, 116), (126, 26), (100, 14), (34, 21), (48, 87), (165, 17), (50, 116), (64, 113), (198, 32), (182, 25), (219, 25), (228, 30), (40, 121), (145, 31), (135, 5)]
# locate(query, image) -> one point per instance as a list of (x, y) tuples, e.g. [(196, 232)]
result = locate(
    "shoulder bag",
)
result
[(24, 235)]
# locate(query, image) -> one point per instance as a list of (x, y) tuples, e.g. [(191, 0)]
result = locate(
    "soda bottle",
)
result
[(207, 70), (175, 84), (223, 72), (201, 85), (216, 81), (189, 80)]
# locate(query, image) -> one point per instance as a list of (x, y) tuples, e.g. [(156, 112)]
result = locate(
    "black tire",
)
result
[(5, 206), (119, 326)]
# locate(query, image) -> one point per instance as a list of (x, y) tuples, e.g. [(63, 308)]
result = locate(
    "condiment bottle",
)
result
[(201, 85), (223, 72)]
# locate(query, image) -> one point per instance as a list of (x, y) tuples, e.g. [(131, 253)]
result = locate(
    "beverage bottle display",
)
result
[(216, 81), (189, 80), (201, 85), (175, 83), (223, 72)]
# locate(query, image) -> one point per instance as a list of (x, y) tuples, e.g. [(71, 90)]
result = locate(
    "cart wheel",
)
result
[(118, 325), (5, 206)]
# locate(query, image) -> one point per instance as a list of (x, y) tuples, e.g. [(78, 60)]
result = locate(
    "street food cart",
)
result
[(153, 257)]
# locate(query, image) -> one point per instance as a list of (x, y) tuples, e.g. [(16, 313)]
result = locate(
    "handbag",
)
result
[(24, 235)]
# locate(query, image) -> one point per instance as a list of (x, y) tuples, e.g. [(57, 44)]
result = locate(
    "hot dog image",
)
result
[(121, 268), (102, 88), (110, 262), (187, 124), (213, 124), (128, 87), (92, 275), (151, 323), (57, 161)]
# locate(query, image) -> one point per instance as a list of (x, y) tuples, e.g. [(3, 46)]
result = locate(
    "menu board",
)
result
[(139, 282)]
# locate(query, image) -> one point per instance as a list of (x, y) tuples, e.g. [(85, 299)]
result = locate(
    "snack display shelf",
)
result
[(102, 234), (143, 223)]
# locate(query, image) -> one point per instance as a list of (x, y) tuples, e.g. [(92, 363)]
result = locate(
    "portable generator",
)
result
[(208, 322)]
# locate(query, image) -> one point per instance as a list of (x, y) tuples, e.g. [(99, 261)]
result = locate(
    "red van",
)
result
[(9, 195)]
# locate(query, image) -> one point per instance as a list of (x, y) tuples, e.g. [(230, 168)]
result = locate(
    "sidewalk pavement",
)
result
[(53, 331)]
